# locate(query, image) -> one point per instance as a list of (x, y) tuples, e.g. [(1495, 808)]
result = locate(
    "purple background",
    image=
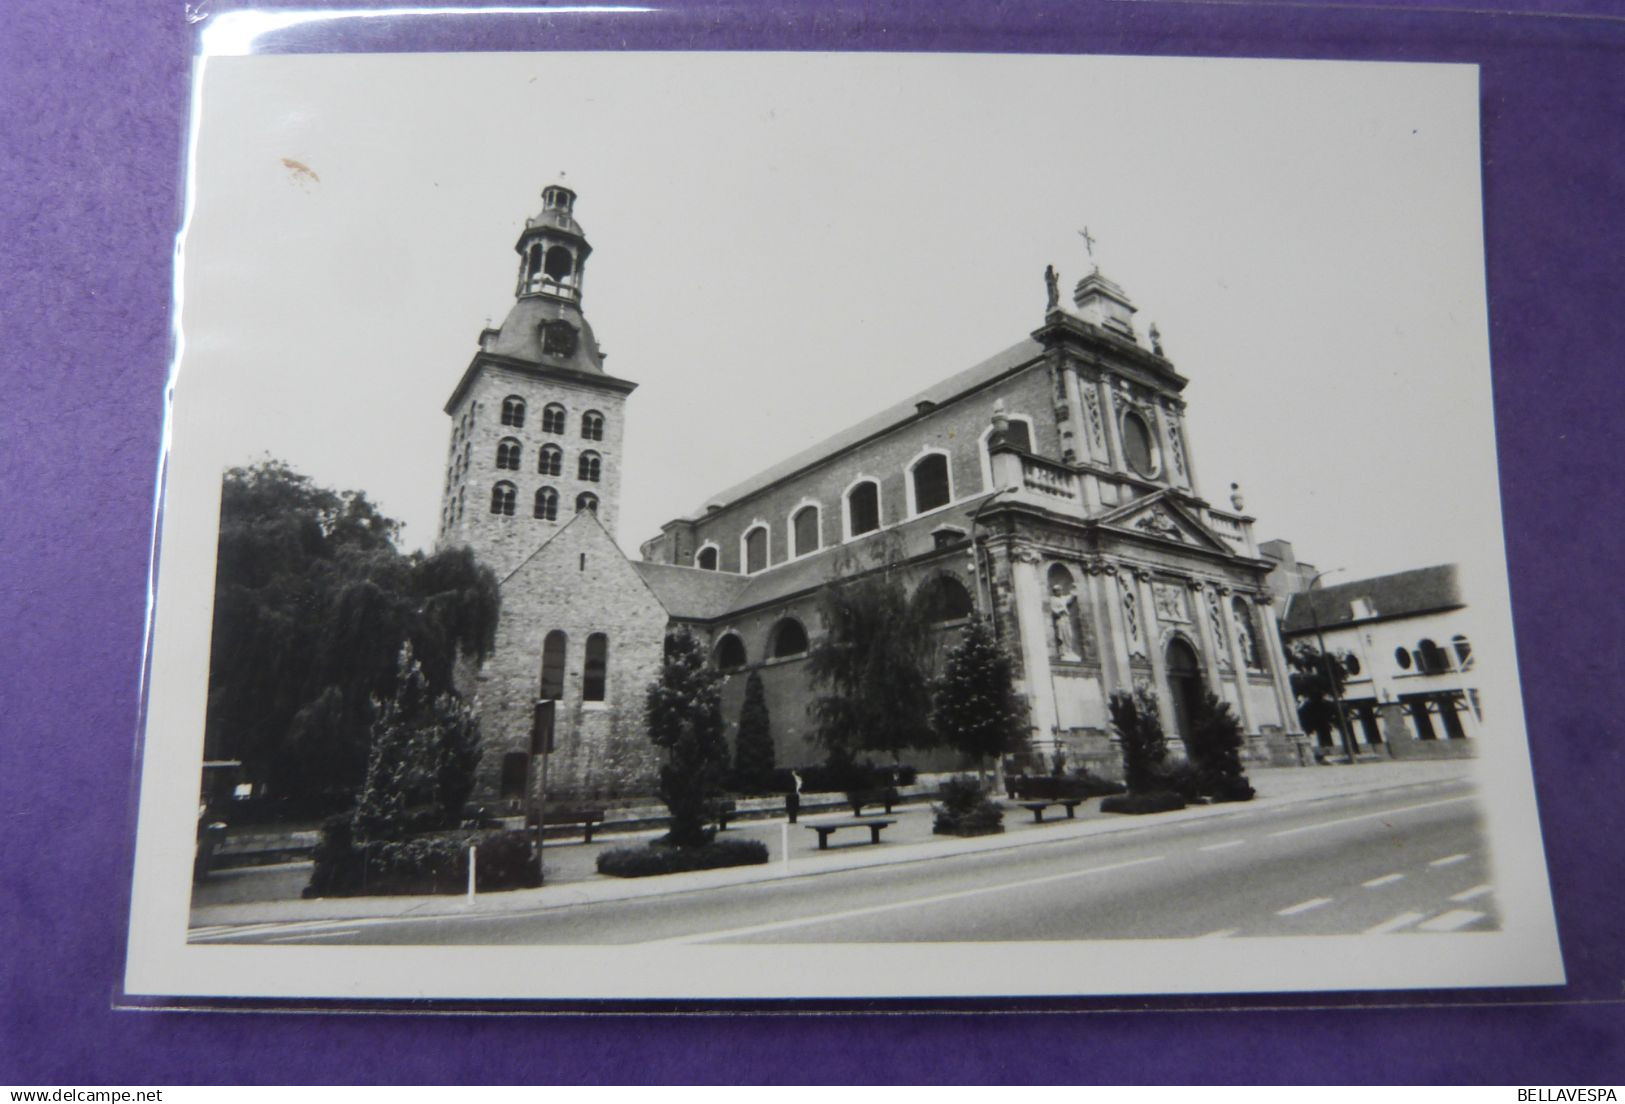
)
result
[(95, 96)]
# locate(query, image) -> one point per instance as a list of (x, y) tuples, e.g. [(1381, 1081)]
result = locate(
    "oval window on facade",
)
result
[(1138, 447)]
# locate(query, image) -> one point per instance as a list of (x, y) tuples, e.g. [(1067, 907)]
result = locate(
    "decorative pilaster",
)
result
[(1204, 632), (1279, 669), (1032, 623), (1159, 663)]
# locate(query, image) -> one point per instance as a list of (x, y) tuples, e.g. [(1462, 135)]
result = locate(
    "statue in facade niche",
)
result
[(1052, 282), (1060, 613)]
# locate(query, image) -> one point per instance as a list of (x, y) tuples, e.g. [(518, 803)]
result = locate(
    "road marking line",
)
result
[(1469, 894), (1394, 923), (229, 931), (1222, 933), (1372, 816), (1304, 906), (803, 921), (315, 935), (1448, 860), (1222, 846), (1454, 920), (1386, 879)]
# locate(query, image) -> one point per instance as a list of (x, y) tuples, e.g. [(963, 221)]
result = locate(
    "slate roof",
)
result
[(690, 594), (939, 394), (1403, 594)]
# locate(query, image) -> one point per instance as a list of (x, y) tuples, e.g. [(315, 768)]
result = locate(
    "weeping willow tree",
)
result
[(313, 602), (872, 668)]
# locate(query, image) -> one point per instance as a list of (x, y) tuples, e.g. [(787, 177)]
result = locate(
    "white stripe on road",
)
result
[(1386, 879), (1304, 906), (221, 932), (1222, 933), (1371, 816), (1448, 860), (1469, 894), (1222, 846), (316, 935), (829, 917), (1394, 923), (1454, 920)]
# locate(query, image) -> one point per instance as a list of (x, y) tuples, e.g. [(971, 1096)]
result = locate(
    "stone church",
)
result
[(1051, 485)]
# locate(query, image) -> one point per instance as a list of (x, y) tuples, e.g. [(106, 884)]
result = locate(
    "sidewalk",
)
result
[(573, 879)]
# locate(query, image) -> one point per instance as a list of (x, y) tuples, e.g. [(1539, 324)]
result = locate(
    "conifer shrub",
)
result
[(658, 858), (1145, 753), (753, 747), (965, 809), (1215, 747)]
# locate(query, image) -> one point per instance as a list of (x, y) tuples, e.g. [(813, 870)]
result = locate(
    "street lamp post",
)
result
[(1326, 665)]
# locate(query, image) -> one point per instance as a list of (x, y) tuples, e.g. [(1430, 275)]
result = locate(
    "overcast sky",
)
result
[(782, 244)]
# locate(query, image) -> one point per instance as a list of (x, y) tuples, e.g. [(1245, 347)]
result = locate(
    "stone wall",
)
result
[(579, 583)]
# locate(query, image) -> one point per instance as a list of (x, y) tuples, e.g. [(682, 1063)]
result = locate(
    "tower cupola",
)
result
[(1101, 302), (553, 249)]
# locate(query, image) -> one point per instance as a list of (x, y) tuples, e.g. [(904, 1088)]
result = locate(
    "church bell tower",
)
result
[(536, 422)]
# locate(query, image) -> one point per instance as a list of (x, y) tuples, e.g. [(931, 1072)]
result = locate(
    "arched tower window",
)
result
[(755, 549), (553, 664), (929, 480), (863, 508), (730, 653), (943, 599), (550, 461), (513, 411), (589, 467), (559, 264), (586, 502), (502, 498), (553, 418), (547, 504), (707, 558), (788, 638), (595, 670), (592, 426), (804, 528), (508, 454)]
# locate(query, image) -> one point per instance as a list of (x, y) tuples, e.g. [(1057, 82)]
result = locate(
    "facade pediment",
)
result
[(1159, 518)]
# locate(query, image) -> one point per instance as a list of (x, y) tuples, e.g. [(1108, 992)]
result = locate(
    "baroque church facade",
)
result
[(1050, 487)]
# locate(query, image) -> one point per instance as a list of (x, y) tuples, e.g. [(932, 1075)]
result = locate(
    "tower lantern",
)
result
[(553, 249)]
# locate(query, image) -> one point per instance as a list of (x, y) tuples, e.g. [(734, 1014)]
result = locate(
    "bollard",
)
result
[(473, 857), (784, 846)]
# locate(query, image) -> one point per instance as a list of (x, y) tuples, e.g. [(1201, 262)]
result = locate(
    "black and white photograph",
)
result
[(697, 526)]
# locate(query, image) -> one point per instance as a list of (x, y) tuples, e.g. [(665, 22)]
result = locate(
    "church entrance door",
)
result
[(1185, 685)]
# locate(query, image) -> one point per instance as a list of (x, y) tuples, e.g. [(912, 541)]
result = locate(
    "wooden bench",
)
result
[(589, 819), (1038, 807), (859, 798), (825, 829)]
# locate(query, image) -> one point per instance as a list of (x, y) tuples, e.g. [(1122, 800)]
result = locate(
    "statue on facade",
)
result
[(1052, 282), (1060, 613)]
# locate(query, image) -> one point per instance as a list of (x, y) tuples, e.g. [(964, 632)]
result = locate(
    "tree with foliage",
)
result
[(1138, 725), (1317, 682), (753, 750), (1215, 749), (685, 718), (312, 604), (871, 669), (420, 767), (976, 709)]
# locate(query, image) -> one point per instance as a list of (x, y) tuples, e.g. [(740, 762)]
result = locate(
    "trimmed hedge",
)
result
[(430, 863), (642, 862), (1137, 804), (1045, 788)]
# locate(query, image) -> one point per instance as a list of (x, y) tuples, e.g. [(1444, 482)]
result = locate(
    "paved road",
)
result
[(1409, 862)]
